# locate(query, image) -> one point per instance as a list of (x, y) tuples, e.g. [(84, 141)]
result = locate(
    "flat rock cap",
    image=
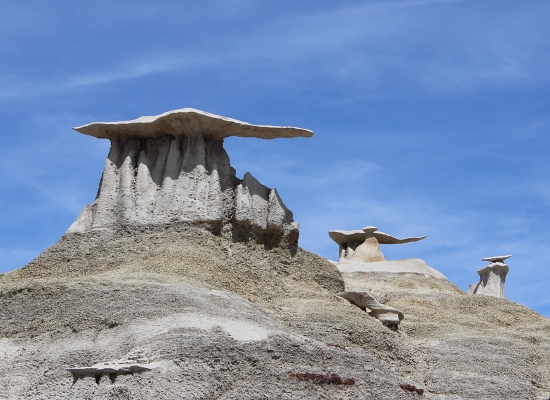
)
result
[(496, 258), (191, 122), (341, 237), (369, 229)]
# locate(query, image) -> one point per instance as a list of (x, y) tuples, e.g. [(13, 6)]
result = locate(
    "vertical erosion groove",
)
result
[(184, 178), (108, 192), (126, 203)]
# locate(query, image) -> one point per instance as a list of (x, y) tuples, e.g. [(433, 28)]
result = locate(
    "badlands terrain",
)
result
[(182, 280)]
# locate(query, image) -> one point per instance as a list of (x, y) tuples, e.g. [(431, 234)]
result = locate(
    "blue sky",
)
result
[(430, 117)]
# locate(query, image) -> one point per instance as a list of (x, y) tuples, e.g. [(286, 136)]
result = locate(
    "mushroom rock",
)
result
[(389, 316), (360, 254), (368, 251), (173, 168), (491, 277), (364, 245)]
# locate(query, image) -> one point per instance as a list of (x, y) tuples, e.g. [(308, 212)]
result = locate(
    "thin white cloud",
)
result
[(138, 68), (543, 190), (373, 44), (371, 49)]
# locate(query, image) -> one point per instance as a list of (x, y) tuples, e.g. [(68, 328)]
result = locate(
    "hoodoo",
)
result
[(491, 277), (364, 245), (172, 168), (183, 281)]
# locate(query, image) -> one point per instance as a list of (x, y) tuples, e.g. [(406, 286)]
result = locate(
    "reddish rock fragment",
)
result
[(333, 379), (411, 388)]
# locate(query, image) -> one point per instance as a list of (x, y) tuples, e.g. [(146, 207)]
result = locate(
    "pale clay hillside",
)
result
[(182, 280)]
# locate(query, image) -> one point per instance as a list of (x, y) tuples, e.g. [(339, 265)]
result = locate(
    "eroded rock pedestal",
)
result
[(185, 313), (359, 251), (491, 277), (172, 168), (364, 245)]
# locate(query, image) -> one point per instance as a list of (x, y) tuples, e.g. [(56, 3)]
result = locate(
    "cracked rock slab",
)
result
[(387, 315), (364, 245)]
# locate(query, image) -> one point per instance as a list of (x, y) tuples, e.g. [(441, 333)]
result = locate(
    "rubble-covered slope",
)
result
[(225, 320), (233, 320), (468, 346)]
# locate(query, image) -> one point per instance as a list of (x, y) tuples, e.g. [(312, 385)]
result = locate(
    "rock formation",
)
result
[(172, 168), (360, 253), (389, 316), (133, 362), (491, 277), (232, 319), (364, 245)]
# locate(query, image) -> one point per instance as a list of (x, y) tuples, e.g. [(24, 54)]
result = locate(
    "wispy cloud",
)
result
[(125, 70), (140, 68), (363, 50), (543, 189)]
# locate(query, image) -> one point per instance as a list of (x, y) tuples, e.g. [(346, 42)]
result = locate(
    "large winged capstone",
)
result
[(188, 121), (173, 168), (364, 245)]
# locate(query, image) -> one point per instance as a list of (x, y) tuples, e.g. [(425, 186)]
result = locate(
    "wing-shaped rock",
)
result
[(191, 122), (342, 237), (384, 238), (363, 245)]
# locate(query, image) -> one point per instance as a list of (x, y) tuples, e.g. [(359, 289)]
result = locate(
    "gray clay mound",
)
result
[(219, 319), (468, 346)]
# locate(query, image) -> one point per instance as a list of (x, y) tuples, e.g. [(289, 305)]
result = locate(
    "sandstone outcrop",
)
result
[(172, 168), (364, 245), (389, 316), (491, 277)]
